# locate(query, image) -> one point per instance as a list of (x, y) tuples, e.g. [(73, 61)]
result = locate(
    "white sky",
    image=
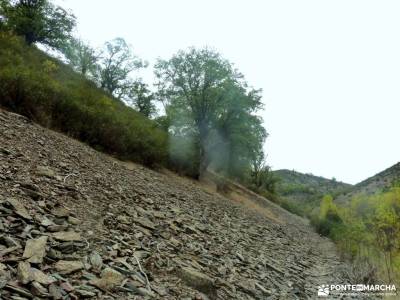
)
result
[(330, 70)]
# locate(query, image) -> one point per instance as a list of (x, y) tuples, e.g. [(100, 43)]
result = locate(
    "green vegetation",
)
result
[(209, 104), (210, 121), (38, 21), (262, 179), (210, 116), (52, 94), (116, 63), (81, 57), (302, 193), (367, 231)]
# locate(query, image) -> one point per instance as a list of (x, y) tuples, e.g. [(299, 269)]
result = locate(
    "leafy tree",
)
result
[(81, 56), (261, 176), (329, 217), (142, 99), (191, 82), (3, 4), (240, 129), (38, 21), (115, 67), (207, 98)]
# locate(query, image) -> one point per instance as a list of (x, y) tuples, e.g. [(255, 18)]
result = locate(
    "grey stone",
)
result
[(19, 208), (67, 236), (109, 279), (68, 267), (35, 250)]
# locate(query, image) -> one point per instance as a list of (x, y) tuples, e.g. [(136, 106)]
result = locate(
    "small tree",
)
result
[(142, 99), (329, 217), (81, 56), (115, 67), (261, 176), (38, 21)]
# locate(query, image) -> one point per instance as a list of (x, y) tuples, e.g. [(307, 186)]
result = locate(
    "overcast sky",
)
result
[(329, 70)]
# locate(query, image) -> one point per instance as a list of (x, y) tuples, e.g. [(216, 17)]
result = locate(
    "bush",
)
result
[(52, 94)]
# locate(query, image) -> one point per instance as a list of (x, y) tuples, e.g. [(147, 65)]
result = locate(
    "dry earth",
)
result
[(75, 223)]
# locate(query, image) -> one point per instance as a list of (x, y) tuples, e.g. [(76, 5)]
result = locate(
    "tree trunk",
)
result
[(204, 156), (30, 38), (204, 162)]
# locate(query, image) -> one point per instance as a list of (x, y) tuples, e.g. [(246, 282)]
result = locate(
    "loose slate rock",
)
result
[(67, 236), (39, 276), (23, 272), (19, 208), (68, 267), (45, 171), (109, 279), (39, 290), (61, 212), (74, 221), (146, 223), (197, 280), (35, 250), (55, 292), (96, 261), (124, 220)]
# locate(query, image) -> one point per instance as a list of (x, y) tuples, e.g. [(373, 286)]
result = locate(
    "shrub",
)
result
[(52, 94)]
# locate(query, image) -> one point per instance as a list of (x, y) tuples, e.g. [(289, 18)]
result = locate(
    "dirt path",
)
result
[(189, 241)]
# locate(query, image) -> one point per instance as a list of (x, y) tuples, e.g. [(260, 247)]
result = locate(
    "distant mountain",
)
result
[(379, 182), (301, 193)]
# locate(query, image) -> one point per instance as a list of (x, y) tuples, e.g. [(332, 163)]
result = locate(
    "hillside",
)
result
[(302, 193), (87, 226), (377, 183), (38, 86)]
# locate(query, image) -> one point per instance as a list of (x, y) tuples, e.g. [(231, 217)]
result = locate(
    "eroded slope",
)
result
[(134, 233)]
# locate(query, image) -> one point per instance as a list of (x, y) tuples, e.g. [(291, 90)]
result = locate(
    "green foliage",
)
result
[(367, 230), (115, 66), (302, 193), (33, 84), (262, 180), (142, 99), (38, 21), (207, 100), (3, 4), (81, 57), (328, 218)]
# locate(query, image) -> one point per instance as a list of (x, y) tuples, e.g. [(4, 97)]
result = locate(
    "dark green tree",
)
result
[(81, 56), (142, 98), (116, 66), (3, 4), (239, 129), (38, 21), (262, 179), (206, 98)]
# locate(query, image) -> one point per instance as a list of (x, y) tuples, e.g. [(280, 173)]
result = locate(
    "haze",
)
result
[(330, 70)]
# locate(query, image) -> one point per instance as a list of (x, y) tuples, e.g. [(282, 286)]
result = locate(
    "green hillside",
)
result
[(302, 193), (42, 88)]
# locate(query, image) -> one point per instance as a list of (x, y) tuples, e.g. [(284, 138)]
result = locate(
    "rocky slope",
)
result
[(379, 182), (75, 223)]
